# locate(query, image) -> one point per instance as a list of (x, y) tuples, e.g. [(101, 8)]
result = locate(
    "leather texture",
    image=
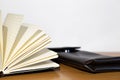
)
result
[(87, 61)]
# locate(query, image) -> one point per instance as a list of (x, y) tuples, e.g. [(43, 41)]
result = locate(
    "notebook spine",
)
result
[(1, 74)]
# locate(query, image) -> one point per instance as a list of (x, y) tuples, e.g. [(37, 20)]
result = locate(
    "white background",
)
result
[(92, 24)]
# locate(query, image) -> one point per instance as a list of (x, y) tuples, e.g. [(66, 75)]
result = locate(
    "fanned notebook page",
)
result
[(22, 47), (1, 43), (28, 32), (40, 56), (39, 41), (28, 53), (38, 66), (12, 23), (25, 37)]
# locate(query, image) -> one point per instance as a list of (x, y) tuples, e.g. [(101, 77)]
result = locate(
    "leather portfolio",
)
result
[(87, 61)]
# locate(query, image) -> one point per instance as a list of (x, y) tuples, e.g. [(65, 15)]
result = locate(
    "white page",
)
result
[(37, 56), (31, 41), (36, 44), (39, 66), (40, 58), (13, 23), (1, 42), (27, 54), (31, 30), (30, 46)]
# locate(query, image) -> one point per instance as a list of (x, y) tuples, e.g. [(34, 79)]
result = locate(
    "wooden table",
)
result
[(67, 73)]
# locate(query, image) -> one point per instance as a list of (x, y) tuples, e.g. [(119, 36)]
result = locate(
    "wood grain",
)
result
[(67, 73)]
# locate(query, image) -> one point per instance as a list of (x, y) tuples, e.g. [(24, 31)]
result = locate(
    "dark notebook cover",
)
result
[(87, 61)]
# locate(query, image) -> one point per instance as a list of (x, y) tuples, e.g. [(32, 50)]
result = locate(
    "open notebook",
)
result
[(22, 47)]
